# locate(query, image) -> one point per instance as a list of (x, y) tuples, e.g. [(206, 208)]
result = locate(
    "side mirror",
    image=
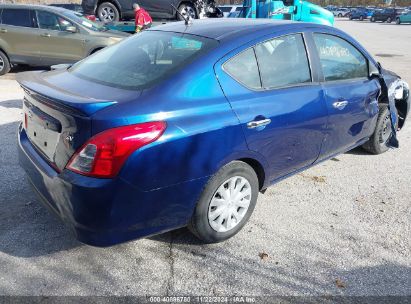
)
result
[(374, 71), (71, 29)]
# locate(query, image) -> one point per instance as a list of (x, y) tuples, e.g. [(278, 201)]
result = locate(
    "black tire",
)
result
[(107, 12), (187, 10), (361, 18), (377, 144), (389, 20), (4, 64), (397, 21), (372, 19), (199, 224)]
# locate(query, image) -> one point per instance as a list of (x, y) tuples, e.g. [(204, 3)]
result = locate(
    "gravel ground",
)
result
[(340, 228)]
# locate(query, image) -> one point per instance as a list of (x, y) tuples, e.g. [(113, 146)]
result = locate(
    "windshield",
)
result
[(142, 60), (80, 19)]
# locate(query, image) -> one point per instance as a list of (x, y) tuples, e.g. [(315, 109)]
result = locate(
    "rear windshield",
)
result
[(143, 60)]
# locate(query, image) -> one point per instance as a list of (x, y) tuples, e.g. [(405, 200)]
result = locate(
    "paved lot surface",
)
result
[(346, 221)]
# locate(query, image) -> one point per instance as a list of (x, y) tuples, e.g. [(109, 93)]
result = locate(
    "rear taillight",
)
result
[(25, 121), (105, 153)]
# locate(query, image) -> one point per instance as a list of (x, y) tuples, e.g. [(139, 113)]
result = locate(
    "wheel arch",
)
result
[(95, 49), (255, 161), (5, 53), (258, 169)]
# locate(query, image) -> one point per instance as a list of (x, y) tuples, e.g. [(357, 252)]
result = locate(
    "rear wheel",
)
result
[(397, 21), (4, 64), (372, 19), (339, 15), (187, 10), (361, 18), (107, 12), (377, 143), (389, 20), (226, 203)]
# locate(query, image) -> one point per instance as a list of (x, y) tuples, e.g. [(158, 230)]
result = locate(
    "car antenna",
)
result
[(187, 20)]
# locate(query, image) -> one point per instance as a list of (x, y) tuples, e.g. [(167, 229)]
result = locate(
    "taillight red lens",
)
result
[(105, 153), (25, 121)]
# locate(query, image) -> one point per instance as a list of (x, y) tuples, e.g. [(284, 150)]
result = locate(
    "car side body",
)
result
[(359, 14), (25, 40), (404, 18), (213, 117), (341, 12), (386, 15)]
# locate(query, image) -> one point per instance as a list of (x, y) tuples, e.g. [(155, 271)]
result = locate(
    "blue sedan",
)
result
[(185, 125)]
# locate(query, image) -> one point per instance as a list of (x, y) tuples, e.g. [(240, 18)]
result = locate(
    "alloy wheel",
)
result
[(108, 14), (1, 64), (229, 204), (188, 12)]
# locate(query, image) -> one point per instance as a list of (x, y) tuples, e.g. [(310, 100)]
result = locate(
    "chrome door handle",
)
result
[(340, 104), (45, 35), (3, 31), (258, 123)]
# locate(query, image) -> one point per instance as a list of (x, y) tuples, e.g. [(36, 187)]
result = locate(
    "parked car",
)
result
[(180, 126), (404, 17), (227, 9), (74, 7), (359, 14), (386, 15), (341, 12), (70, 6), (45, 35), (113, 11)]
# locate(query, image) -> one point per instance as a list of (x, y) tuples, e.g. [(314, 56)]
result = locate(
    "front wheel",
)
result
[(107, 12), (226, 203), (372, 19), (378, 142), (361, 18), (4, 64), (389, 20), (187, 10), (398, 21), (339, 15)]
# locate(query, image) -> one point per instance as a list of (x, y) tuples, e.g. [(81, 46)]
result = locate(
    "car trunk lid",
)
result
[(57, 120)]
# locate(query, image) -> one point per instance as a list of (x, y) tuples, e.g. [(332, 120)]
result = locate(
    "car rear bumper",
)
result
[(104, 212)]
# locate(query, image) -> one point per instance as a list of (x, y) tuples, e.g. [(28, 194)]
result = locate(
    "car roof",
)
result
[(33, 6), (226, 28)]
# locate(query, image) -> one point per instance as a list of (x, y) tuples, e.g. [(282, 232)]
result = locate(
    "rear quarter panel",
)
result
[(202, 131)]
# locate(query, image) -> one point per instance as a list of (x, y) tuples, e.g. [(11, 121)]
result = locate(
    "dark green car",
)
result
[(404, 17), (44, 36)]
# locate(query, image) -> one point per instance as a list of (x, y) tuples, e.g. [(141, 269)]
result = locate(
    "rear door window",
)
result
[(283, 62), (340, 60), (17, 17), (244, 69)]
